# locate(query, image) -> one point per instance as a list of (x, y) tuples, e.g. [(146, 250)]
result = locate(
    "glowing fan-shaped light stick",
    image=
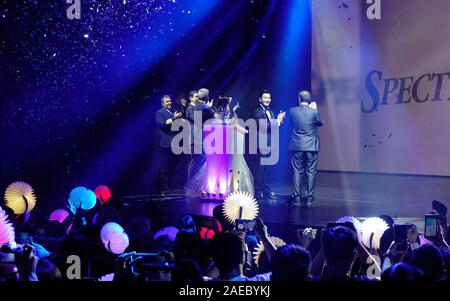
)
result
[(372, 230), (20, 197), (76, 196), (103, 194), (240, 205), (277, 242), (7, 235), (81, 197), (58, 215), (89, 200), (107, 277), (171, 232), (114, 238)]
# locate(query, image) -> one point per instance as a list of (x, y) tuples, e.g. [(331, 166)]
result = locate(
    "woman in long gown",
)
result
[(223, 173)]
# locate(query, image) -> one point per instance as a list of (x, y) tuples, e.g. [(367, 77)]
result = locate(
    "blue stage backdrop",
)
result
[(78, 95)]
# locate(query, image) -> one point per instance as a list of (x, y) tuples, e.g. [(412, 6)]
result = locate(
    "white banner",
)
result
[(381, 76)]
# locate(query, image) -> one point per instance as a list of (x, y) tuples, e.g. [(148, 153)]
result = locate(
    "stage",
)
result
[(407, 198)]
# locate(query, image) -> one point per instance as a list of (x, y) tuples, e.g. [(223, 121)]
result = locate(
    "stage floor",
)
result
[(406, 198)]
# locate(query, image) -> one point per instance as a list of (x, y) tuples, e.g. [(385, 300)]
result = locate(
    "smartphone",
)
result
[(245, 225), (431, 226), (311, 235), (401, 235), (401, 232)]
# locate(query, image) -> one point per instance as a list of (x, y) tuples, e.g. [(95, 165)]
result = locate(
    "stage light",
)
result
[(356, 223), (240, 205), (276, 241), (7, 234), (20, 197), (103, 194), (372, 230), (58, 215), (114, 238)]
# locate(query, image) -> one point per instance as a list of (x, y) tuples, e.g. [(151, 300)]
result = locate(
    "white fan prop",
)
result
[(114, 238), (240, 205), (20, 197), (372, 230), (277, 242)]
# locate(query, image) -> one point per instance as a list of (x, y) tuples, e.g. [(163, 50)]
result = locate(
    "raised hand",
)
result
[(177, 115), (413, 235), (313, 105), (281, 116), (306, 237)]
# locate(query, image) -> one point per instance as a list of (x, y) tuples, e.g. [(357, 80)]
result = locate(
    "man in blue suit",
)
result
[(164, 118), (304, 145)]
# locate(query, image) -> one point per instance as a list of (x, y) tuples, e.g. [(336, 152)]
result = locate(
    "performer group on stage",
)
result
[(224, 173)]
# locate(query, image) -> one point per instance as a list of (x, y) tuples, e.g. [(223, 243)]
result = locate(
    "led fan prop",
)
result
[(114, 238), (103, 194), (107, 277), (6, 230), (81, 197), (356, 223), (58, 215), (20, 197), (372, 230), (76, 195), (277, 242), (240, 205), (89, 200)]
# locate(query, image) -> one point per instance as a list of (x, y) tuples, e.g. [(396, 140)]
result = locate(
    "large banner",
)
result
[(381, 76)]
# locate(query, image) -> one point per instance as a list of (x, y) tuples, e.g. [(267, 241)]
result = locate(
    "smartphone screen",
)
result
[(401, 232), (312, 234), (245, 224), (430, 225)]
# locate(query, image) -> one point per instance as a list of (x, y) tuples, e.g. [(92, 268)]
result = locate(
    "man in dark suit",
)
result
[(304, 144), (203, 108), (164, 118), (263, 112), (193, 100)]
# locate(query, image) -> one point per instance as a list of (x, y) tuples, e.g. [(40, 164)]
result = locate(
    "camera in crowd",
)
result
[(148, 266)]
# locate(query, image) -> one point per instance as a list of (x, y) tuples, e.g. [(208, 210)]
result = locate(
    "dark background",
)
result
[(78, 96)]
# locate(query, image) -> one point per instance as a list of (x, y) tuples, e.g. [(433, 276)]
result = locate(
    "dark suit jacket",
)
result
[(190, 118), (207, 112), (165, 133), (260, 113), (304, 136)]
